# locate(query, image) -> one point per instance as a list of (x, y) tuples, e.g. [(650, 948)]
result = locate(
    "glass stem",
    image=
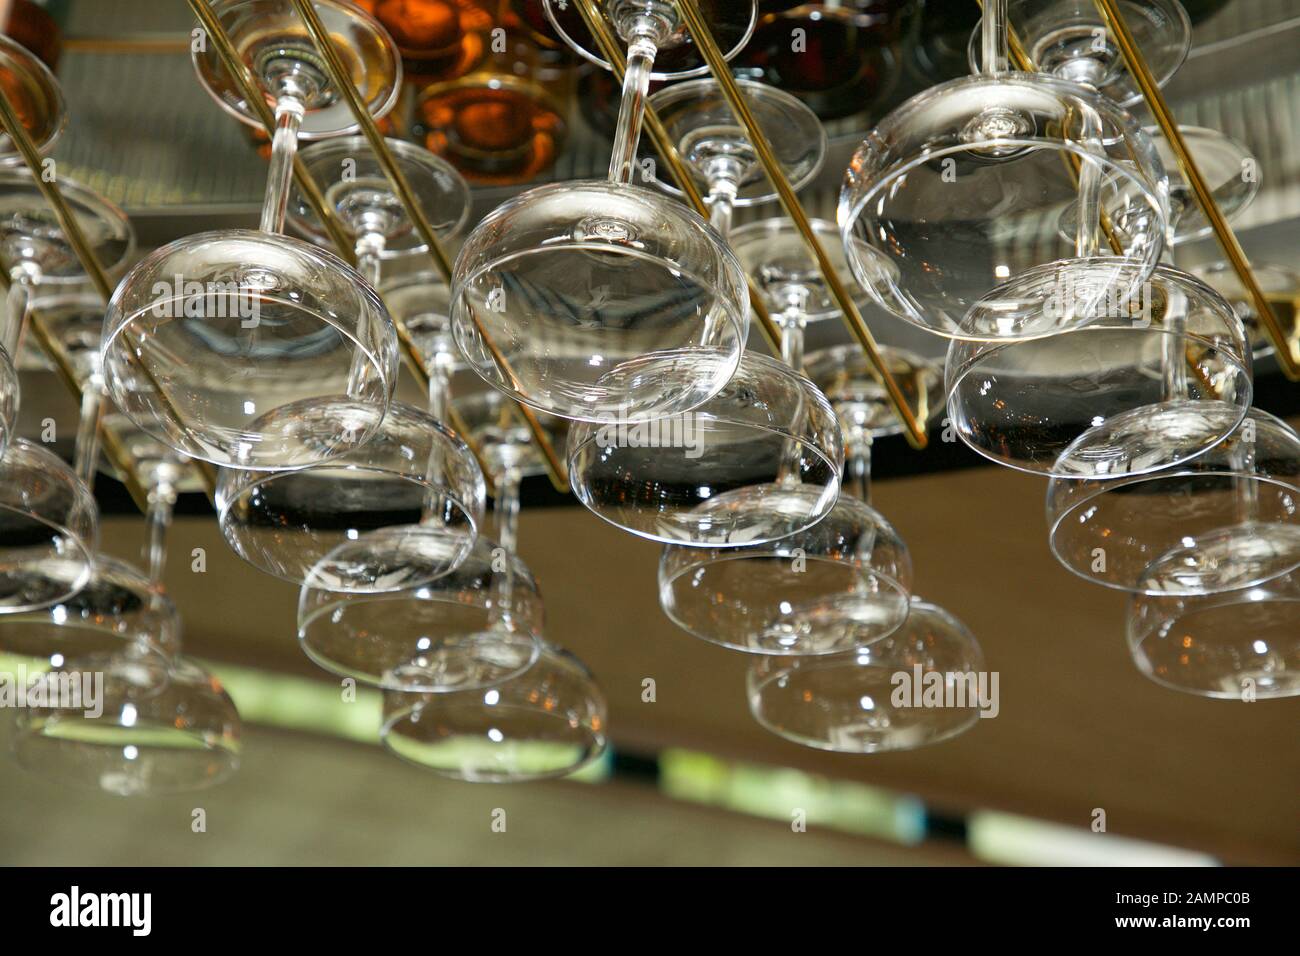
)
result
[(792, 335), (506, 511), (641, 52), (857, 468), (722, 205), (22, 279), (506, 507), (369, 250), (86, 451), (995, 52), (439, 386), (1173, 357), (284, 146), (1088, 229), (1242, 456), (162, 505), (439, 402), (792, 322)]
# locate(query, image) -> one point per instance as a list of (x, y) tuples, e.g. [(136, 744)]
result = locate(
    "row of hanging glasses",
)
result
[(165, 723), (1025, 216), (1164, 481)]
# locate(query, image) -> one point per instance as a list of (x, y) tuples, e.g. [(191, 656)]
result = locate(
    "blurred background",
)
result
[(1082, 743)]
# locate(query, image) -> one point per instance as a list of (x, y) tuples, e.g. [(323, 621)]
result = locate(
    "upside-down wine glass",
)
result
[(1281, 288), (1238, 644), (874, 699), (48, 518), (421, 638), (844, 581), (403, 507), (39, 258), (760, 460), (962, 187), (1069, 39), (162, 723), (476, 626), (37, 99), (1137, 387), (845, 702), (1231, 512), (598, 299), (511, 706), (210, 334)]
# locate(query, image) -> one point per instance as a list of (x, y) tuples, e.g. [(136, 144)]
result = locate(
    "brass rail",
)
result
[(612, 51), (1287, 351), (256, 99), (342, 81), (699, 30), (310, 189), (76, 237)]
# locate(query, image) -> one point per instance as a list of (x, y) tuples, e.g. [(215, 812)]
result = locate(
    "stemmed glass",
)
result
[(38, 102), (359, 193), (1230, 513), (1239, 644), (851, 702), (1128, 388), (760, 460), (716, 151), (962, 187), (162, 723), (1230, 171), (48, 518), (401, 508), (596, 299), (208, 335), (548, 722), (1280, 285), (508, 705), (672, 55), (1226, 166), (862, 405), (49, 529), (839, 584), (38, 256), (476, 626), (1068, 38), (845, 377), (470, 628)]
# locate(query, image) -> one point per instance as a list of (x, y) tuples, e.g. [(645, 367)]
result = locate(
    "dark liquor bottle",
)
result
[(837, 59), (33, 26), (438, 39), (940, 50), (529, 18), (503, 123)]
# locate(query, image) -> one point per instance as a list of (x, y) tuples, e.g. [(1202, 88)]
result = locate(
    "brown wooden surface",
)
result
[(1079, 728)]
